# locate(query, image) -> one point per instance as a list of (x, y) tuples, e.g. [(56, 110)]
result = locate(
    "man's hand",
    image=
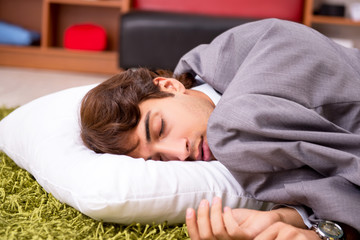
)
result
[(245, 223)]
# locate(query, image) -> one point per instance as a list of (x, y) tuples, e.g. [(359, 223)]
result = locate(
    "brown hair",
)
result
[(110, 111)]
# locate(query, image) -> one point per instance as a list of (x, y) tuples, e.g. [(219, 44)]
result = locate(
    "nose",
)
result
[(173, 149)]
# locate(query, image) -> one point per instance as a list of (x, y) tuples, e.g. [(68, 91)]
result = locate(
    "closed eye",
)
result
[(162, 127)]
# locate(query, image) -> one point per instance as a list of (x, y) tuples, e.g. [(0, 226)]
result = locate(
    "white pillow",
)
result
[(43, 138)]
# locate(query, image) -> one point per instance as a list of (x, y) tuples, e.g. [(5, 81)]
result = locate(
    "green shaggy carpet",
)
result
[(28, 212)]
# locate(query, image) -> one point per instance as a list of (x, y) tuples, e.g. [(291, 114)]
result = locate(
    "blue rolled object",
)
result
[(16, 35)]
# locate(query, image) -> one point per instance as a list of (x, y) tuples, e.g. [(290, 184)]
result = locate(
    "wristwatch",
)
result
[(328, 230)]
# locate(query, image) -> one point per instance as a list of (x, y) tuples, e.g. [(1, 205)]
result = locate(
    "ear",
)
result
[(169, 84)]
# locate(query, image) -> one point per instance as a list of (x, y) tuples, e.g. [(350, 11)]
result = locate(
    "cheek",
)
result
[(189, 119), (181, 123), (188, 124)]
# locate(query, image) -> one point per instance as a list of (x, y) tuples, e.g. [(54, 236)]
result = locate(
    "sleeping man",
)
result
[(284, 118)]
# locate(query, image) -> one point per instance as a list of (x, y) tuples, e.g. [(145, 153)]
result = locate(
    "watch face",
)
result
[(331, 229)]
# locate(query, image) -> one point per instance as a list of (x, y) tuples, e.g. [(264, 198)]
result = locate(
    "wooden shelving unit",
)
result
[(335, 27), (51, 18)]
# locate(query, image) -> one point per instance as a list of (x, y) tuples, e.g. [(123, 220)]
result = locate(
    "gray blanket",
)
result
[(288, 123)]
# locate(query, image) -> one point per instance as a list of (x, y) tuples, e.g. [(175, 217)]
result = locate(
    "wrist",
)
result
[(290, 216)]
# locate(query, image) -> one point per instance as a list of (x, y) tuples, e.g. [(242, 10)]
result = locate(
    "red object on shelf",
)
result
[(85, 36), (283, 9)]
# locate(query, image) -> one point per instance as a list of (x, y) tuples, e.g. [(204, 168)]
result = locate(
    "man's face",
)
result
[(174, 128)]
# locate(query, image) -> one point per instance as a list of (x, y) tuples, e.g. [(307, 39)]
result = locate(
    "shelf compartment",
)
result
[(61, 16), (24, 13)]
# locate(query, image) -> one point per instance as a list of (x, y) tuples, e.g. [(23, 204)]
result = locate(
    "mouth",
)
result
[(204, 151), (200, 150)]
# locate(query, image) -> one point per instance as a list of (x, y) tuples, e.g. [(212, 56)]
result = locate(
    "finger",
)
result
[(203, 220), (191, 224), (216, 219), (282, 231), (232, 227), (269, 233)]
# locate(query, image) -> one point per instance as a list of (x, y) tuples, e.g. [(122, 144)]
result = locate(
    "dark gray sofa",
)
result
[(157, 40)]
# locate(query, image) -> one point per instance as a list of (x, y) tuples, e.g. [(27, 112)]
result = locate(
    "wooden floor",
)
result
[(21, 85)]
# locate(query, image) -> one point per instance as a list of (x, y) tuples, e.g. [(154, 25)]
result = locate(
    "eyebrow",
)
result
[(147, 129)]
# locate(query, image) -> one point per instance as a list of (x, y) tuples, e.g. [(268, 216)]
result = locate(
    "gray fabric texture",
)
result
[(288, 123)]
